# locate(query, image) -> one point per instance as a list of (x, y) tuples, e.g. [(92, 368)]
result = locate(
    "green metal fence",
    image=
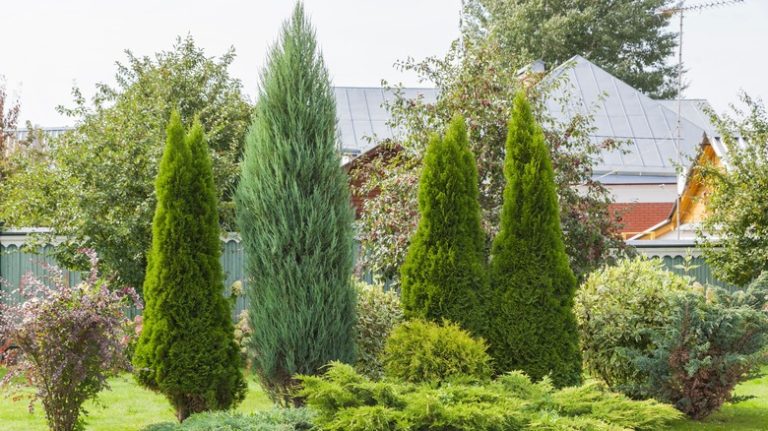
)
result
[(697, 268), (16, 262)]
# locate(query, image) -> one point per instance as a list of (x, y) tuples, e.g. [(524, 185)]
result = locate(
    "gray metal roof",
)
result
[(695, 110), (623, 113), (620, 112), (362, 117)]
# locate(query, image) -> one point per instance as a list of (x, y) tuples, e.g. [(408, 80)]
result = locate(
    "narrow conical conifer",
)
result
[(532, 285), (186, 350), (444, 274), (296, 219)]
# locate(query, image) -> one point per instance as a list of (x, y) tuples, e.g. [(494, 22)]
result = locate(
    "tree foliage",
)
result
[(475, 80), (186, 350), (628, 38), (9, 117), (737, 211), (533, 327), (95, 186), (295, 217), (444, 274)]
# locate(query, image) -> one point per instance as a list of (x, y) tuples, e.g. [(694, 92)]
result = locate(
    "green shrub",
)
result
[(707, 348), (346, 401), (243, 336), (532, 326), (617, 310), (186, 349), (272, 420), (378, 311), (421, 351), (755, 295), (444, 275)]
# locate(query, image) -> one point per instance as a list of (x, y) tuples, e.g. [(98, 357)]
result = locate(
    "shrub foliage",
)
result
[(270, 420), (346, 401), (295, 218), (421, 351), (65, 341), (186, 350), (618, 308), (533, 327), (653, 334), (444, 274), (378, 311), (704, 351)]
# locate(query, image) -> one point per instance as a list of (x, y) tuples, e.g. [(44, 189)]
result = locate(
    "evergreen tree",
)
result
[(534, 327), (296, 219), (444, 273), (186, 350)]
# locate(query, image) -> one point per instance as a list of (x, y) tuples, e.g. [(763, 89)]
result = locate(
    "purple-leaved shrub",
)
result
[(65, 341)]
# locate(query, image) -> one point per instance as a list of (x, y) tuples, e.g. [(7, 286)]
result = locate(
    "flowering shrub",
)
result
[(68, 341)]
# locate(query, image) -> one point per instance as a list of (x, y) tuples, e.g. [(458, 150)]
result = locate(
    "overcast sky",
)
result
[(49, 46)]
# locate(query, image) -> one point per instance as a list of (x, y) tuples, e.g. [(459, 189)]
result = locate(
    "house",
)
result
[(641, 175), (682, 222)]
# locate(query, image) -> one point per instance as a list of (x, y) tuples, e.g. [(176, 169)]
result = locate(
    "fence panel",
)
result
[(16, 262)]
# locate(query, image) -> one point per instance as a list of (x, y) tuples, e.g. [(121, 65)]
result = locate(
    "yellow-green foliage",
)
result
[(421, 351), (530, 302), (344, 400), (186, 350), (444, 275), (378, 311)]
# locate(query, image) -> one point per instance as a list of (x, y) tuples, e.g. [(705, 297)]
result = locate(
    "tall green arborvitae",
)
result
[(296, 219), (444, 274), (534, 327), (186, 350)]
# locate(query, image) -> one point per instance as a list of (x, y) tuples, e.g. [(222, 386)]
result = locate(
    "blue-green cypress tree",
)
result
[(444, 274), (532, 286), (296, 219), (186, 350)]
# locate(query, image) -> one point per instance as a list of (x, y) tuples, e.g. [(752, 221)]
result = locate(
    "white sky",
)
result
[(51, 45)]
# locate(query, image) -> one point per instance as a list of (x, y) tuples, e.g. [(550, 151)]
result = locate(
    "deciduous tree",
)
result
[(94, 186), (628, 38), (735, 230)]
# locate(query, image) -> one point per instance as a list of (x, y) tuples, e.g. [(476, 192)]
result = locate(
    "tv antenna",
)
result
[(680, 10)]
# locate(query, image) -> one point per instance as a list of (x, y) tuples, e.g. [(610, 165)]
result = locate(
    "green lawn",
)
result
[(128, 407), (751, 415)]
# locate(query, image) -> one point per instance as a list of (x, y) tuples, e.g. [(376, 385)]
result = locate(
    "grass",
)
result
[(750, 415), (128, 407)]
